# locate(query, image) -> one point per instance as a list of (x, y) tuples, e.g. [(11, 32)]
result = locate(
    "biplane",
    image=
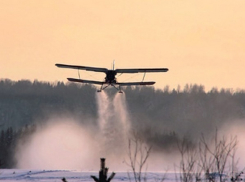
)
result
[(110, 79)]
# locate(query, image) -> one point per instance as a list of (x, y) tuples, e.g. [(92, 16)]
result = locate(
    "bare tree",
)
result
[(219, 154), (206, 161), (236, 174), (189, 170), (138, 153), (213, 158)]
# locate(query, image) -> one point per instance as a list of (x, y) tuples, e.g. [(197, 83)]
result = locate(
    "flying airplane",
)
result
[(110, 79)]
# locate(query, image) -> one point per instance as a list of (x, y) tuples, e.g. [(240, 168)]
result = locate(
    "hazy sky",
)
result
[(200, 41)]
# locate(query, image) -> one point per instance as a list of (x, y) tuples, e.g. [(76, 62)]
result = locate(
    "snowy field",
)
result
[(14, 175)]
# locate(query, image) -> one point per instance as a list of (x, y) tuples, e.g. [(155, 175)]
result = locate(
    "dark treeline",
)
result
[(25, 102), (7, 145), (9, 139), (164, 115), (161, 116)]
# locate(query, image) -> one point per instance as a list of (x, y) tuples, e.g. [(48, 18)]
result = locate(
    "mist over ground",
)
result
[(70, 126), (64, 143)]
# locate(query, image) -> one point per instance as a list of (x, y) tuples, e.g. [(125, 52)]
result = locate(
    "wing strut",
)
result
[(78, 73), (144, 77)]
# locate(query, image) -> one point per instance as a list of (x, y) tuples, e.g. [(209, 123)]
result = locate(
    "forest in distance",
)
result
[(160, 116)]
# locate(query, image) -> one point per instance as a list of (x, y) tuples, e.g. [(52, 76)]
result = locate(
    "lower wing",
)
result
[(85, 81), (101, 83), (135, 83)]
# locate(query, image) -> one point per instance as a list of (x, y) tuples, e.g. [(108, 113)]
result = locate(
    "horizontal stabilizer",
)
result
[(85, 81), (135, 83), (104, 70), (141, 70)]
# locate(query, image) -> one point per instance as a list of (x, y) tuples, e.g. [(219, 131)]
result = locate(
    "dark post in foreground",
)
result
[(103, 173)]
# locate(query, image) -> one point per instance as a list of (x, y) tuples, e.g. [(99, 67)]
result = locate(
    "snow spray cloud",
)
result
[(60, 144), (64, 143)]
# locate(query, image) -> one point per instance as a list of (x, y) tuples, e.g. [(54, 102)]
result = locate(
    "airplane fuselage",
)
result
[(110, 76)]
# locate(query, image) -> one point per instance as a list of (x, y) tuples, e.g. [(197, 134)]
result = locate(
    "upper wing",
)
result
[(135, 83), (85, 81), (82, 68), (140, 70)]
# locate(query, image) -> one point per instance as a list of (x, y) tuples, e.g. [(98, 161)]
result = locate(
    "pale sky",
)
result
[(200, 41)]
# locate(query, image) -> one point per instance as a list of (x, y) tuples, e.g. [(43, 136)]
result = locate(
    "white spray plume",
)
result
[(114, 126), (121, 110), (103, 104)]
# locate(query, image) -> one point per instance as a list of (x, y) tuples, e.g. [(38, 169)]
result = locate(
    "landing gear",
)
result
[(102, 87), (110, 84)]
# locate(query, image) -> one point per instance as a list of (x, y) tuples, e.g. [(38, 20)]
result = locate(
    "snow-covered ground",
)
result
[(14, 175)]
